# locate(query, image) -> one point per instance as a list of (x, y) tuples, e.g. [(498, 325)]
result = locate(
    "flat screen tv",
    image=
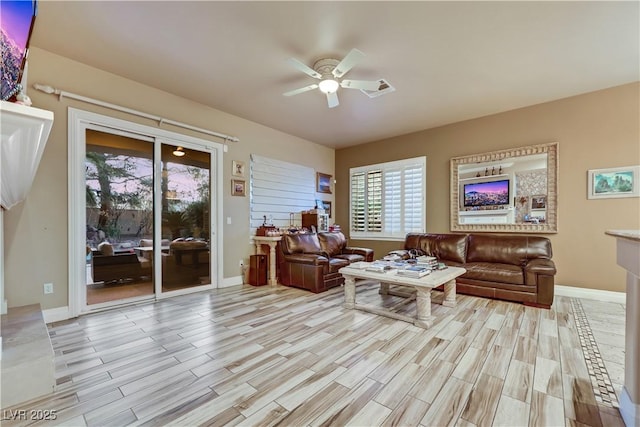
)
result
[(491, 193), (16, 24)]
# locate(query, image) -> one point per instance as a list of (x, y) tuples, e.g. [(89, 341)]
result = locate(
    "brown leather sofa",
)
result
[(312, 261), (508, 267)]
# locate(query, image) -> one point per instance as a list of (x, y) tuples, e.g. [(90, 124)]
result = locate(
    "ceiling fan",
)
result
[(329, 71)]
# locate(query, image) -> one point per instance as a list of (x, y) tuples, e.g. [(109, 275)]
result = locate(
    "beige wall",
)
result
[(595, 130), (36, 230)]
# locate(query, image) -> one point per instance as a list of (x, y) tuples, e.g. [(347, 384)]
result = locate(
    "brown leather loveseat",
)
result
[(509, 267), (312, 261)]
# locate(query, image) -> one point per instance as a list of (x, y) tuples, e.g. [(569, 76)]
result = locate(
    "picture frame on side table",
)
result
[(326, 205), (238, 187), (237, 168), (614, 182), (323, 183)]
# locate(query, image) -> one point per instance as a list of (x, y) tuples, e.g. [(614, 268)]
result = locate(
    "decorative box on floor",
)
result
[(258, 270)]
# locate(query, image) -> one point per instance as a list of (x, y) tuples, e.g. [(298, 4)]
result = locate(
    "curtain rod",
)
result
[(160, 120)]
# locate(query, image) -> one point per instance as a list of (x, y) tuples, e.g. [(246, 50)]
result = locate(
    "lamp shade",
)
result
[(328, 86), (24, 131)]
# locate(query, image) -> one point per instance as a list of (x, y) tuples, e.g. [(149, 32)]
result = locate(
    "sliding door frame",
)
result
[(78, 122)]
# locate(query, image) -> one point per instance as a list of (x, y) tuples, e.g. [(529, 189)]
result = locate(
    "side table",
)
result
[(272, 241)]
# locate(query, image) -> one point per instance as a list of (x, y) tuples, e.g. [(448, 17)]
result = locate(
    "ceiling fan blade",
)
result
[(348, 62), (301, 90), (360, 84), (304, 68), (332, 99)]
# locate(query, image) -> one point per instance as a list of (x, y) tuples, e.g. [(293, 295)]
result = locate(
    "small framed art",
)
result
[(614, 182), (238, 187), (237, 168), (323, 183), (538, 202)]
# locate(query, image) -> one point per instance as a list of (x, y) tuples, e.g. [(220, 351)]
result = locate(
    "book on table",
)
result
[(414, 271), (382, 266), (427, 261)]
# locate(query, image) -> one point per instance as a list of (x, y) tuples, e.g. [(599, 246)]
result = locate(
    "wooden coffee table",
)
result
[(420, 290)]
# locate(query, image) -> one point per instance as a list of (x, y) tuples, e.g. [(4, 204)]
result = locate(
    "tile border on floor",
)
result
[(600, 380)]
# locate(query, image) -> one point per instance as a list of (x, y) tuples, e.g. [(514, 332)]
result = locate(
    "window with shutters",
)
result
[(388, 199)]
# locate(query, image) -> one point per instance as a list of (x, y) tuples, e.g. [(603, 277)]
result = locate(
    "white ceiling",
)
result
[(449, 61)]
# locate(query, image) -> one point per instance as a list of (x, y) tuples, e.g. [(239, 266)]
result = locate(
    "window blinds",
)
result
[(278, 189)]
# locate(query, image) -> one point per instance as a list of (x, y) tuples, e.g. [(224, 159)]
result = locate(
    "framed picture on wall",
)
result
[(539, 202), (323, 183), (238, 187), (237, 168), (614, 182)]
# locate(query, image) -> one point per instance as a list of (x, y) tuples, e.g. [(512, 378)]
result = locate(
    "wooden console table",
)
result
[(628, 257), (272, 241)]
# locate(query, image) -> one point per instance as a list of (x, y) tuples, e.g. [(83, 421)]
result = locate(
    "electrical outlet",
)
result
[(48, 288), (241, 262)]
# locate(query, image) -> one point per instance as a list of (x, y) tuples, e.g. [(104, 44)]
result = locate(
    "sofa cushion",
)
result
[(146, 243), (445, 247), (351, 257), (301, 243), (332, 243), (336, 264), (181, 243), (105, 249), (516, 250), (494, 272)]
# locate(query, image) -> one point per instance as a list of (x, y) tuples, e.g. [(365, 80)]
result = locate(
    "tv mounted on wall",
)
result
[(492, 193), (16, 24)]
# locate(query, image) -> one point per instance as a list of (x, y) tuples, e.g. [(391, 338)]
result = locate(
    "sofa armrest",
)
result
[(540, 266), (311, 259), (540, 273), (367, 253)]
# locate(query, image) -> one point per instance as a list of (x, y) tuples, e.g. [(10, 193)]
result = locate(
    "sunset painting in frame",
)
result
[(16, 24)]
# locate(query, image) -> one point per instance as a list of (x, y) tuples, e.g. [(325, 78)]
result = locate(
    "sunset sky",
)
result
[(15, 18)]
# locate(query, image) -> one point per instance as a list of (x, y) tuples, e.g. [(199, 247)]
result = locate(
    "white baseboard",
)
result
[(56, 314), (230, 281), (596, 294)]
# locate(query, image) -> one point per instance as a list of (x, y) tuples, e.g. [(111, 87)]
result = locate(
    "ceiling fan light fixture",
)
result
[(179, 152), (328, 86)]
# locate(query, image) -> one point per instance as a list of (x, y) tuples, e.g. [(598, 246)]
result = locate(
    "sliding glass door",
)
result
[(185, 217), (148, 218), (119, 216)]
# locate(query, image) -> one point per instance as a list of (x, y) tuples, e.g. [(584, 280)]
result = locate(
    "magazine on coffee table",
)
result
[(413, 271)]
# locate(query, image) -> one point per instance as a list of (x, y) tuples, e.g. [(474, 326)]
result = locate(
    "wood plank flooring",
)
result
[(268, 356)]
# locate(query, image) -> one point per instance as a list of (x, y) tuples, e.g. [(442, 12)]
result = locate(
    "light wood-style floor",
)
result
[(280, 356)]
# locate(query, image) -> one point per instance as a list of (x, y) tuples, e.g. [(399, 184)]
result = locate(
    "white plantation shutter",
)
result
[(374, 201), (393, 198), (388, 199), (358, 214), (414, 188)]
